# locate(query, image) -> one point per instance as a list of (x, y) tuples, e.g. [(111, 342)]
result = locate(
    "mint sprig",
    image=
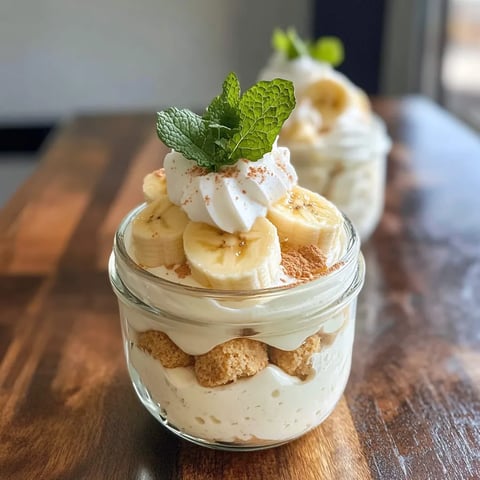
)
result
[(233, 126), (264, 108), (289, 43), (324, 49), (223, 110)]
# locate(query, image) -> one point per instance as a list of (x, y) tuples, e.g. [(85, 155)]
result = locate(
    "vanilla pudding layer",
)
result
[(271, 405)]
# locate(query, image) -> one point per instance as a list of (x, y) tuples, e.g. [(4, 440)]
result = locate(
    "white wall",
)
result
[(62, 56)]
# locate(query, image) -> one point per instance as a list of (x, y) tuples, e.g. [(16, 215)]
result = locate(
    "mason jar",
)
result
[(347, 166), (296, 339)]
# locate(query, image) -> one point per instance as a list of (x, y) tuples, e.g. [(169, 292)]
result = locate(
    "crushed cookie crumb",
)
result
[(160, 346), (183, 270), (229, 361), (304, 263), (297, 362)]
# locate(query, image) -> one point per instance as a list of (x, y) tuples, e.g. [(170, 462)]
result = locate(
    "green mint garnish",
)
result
[(223, 110), (233, 126), (325, 49), (187, 133), (289, 43), (263, 109), (328, 49)]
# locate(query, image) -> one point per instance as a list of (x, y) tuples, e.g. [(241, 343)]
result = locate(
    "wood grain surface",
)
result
[(411, 409)]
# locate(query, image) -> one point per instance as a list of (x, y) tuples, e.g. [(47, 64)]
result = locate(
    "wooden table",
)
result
[(412, 407)]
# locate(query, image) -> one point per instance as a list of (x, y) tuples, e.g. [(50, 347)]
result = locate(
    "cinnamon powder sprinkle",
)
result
[(229, 172), (257, 172), (197, 171), (183, 270), (305, 263)]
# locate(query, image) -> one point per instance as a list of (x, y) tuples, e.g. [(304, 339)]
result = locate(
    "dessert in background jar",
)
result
[(236, 286), (338, 145)]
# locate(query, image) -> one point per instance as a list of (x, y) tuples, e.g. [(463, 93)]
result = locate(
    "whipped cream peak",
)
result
[(235, 196), (301, 70)]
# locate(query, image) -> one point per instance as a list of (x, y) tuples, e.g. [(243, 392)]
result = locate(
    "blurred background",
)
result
[(59, 58)]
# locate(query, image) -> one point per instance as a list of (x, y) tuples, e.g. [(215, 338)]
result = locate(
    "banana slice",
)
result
[(157, 234), (301, 132), (303, 217), (154, 185), (329, 97), (233, 261)]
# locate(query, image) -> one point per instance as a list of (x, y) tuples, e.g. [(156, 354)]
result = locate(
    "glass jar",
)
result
[(348, 168), (259, 410)]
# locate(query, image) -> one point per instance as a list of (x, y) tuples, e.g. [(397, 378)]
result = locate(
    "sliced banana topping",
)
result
[(303, 217), (329, 97), (298, 131), (154, 185), (233, 261), (157, 234)]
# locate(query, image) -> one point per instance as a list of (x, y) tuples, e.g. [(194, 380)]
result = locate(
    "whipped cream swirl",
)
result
[(352, 139), (234, 197), (302, 71)]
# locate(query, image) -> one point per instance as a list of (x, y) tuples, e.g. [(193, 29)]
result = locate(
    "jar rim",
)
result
[(351, 252)]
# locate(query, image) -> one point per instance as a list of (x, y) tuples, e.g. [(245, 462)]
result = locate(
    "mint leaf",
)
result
[(223, 110), (325, 49), (280, 41), (328, 49), (297, 47), (263, 109), (232, 127), (187, 133), (289, 43), (231, 90)]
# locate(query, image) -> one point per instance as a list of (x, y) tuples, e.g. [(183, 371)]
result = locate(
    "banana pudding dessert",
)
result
[(338, 145), (237, 286)]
